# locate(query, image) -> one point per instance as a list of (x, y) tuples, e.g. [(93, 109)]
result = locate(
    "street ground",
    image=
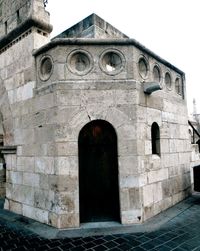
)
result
[(178, 228)]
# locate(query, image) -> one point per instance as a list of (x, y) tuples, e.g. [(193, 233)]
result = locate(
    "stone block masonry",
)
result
[(90, 144)]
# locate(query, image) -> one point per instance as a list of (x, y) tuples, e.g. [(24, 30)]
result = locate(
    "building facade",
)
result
[(94, 125)]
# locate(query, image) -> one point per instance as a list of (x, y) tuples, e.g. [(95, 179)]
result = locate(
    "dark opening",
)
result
[(2, 169), (198, 143), (98, 173), (6, 28), (155, 138), (196, 173), (18, 17)]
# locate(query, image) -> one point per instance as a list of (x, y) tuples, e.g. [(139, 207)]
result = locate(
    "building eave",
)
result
[(92, 41), (21, 28)]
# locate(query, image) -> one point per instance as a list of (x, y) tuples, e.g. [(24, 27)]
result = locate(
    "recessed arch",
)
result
[(143, 67), (98, 173), (179, 86), (156, 73), (168, 80)]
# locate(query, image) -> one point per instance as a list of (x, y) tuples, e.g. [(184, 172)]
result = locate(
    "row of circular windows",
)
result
[(80, 62), (111, 62), (144, 72)]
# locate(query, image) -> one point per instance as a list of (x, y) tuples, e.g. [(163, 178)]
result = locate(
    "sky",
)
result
[(170, 28)]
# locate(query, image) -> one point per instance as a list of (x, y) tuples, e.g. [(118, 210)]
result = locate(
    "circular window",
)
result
[(143, 67), (46, 68), (79, 62), (168, 81), (178, 86), (156, 74), (112, 62)]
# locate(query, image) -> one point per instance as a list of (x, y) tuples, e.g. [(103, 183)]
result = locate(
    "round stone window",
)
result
[(112, 62), (79, 62), (143, 67), (46, 68), (168, 81), (156, 74)]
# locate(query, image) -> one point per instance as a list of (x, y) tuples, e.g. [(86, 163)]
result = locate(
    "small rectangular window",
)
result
[(6, 28), (155, 138), (18, 17)]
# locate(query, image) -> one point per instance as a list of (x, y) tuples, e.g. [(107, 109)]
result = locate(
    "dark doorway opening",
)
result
[(98, 173)]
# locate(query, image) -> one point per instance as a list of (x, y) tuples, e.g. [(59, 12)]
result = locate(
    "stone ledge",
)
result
[(8, 149), (30, 22), (89, 85), (107, 41)]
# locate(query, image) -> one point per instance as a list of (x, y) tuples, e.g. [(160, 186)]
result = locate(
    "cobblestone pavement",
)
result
[(180, 232)]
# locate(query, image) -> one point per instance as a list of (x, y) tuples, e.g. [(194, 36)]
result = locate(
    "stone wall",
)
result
[(17, 106), (47, 98), (168, 175), (148, 183), (15, 13)]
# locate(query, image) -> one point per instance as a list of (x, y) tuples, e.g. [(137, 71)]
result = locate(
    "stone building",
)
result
[(94, 125)]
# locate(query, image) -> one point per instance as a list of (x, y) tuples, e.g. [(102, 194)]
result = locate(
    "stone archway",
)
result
[(98, 173)]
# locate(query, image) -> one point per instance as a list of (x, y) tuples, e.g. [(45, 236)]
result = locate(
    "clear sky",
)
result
[(170, 28)]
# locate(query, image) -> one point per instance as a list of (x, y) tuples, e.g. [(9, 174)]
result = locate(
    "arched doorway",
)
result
[(98, 173)]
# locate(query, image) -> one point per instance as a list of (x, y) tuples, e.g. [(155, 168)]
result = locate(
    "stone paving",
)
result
[(175, 229)]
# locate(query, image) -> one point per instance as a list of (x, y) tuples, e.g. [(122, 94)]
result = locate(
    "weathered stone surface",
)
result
[(15, 207), (157, 175), (63, 183), (66, 165), (69, 148), (131, 216), (127, 147), (155, 102), (44, 199), (44, 165), (26, 164), (153, 162), (65, 202), (170, 160), (148, 195), (148, 147), (154, 115), (20, 193), (47, 97), (128, 165), (14, 177), (135, 198), (127, 132), (69, 220), (117, 117), (35, 213), (133, 181), (124, 201), (31, 179)]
